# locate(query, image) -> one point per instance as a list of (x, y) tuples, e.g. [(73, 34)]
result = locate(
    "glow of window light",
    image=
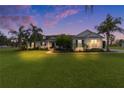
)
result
[(94, 41)]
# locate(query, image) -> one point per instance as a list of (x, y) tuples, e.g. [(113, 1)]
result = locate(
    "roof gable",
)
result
[(89, 34)]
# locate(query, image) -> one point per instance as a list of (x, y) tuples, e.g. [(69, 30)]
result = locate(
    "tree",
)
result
[(25, 36), (36, 34), (108, 26), (12, 41), (112, 38), (21, 37), (3, 39), (64, 42)]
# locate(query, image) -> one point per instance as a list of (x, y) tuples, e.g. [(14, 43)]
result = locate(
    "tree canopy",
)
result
[(108, 26)]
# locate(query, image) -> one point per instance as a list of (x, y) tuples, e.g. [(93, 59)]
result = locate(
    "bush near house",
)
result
[(94, 50), (64, 43)]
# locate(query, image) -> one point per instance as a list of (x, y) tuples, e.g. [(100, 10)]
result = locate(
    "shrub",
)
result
[(94, 50)]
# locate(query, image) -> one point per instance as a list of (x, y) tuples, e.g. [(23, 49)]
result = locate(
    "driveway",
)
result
[(117, 50)]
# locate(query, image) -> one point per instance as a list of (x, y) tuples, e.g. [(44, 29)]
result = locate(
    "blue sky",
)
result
[(57, 19)]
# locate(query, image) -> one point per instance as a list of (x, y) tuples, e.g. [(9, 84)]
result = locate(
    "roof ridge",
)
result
[(87, 30)]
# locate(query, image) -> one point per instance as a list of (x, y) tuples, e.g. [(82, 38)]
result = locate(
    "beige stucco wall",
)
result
[(90, 42), (94, 43), (38, 44)]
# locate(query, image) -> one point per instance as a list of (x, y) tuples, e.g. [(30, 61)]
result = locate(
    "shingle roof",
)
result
[(85, 34), (88, 34)]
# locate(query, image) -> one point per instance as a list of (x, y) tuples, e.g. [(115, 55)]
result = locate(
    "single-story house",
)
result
[(86, 39)]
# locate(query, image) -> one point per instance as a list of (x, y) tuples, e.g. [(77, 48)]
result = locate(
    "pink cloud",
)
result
[(52, 19), (13, 22), (66, 13), (26, 20)]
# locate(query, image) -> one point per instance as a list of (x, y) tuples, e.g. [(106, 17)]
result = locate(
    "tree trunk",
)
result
[(20, 42), (35, 40), (34, 44), (27, 44), (107, 45)]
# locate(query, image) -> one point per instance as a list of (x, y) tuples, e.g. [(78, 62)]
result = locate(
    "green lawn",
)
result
[(39, 69)]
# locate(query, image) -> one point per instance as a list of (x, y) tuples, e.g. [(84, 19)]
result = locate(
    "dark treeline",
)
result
[(21, 37)]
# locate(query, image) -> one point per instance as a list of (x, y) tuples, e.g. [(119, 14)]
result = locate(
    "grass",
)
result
[(39, 69)]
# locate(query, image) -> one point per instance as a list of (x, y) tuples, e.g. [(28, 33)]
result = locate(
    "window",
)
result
[(79, 43), (94, 41)]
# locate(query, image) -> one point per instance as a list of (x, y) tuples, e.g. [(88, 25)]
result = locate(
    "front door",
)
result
[(104, 44), (53, 45)]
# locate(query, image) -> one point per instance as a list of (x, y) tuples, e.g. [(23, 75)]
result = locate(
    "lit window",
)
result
[(94, 41), (79, 41)]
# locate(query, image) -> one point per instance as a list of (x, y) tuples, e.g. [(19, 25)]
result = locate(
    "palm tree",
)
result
[(112, 38), (36, 34), (108, 26), (22, 36)]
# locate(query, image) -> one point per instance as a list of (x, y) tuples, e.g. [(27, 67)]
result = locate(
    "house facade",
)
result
[(84, 40), (87, 40)]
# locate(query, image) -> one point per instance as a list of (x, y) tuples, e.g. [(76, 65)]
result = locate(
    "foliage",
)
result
[(64, 42), (24, 36), (3, 39), (21, 37), (94, 50), (112, 39), (108, 26), (36, 34)]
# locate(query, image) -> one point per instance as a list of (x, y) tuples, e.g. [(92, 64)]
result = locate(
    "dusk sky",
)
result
[(57, 19)]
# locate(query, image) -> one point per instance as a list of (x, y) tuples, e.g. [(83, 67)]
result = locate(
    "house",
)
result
[(87, 40), (84, 40)]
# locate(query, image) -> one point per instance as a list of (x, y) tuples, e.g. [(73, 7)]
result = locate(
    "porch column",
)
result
[(48, 45)]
